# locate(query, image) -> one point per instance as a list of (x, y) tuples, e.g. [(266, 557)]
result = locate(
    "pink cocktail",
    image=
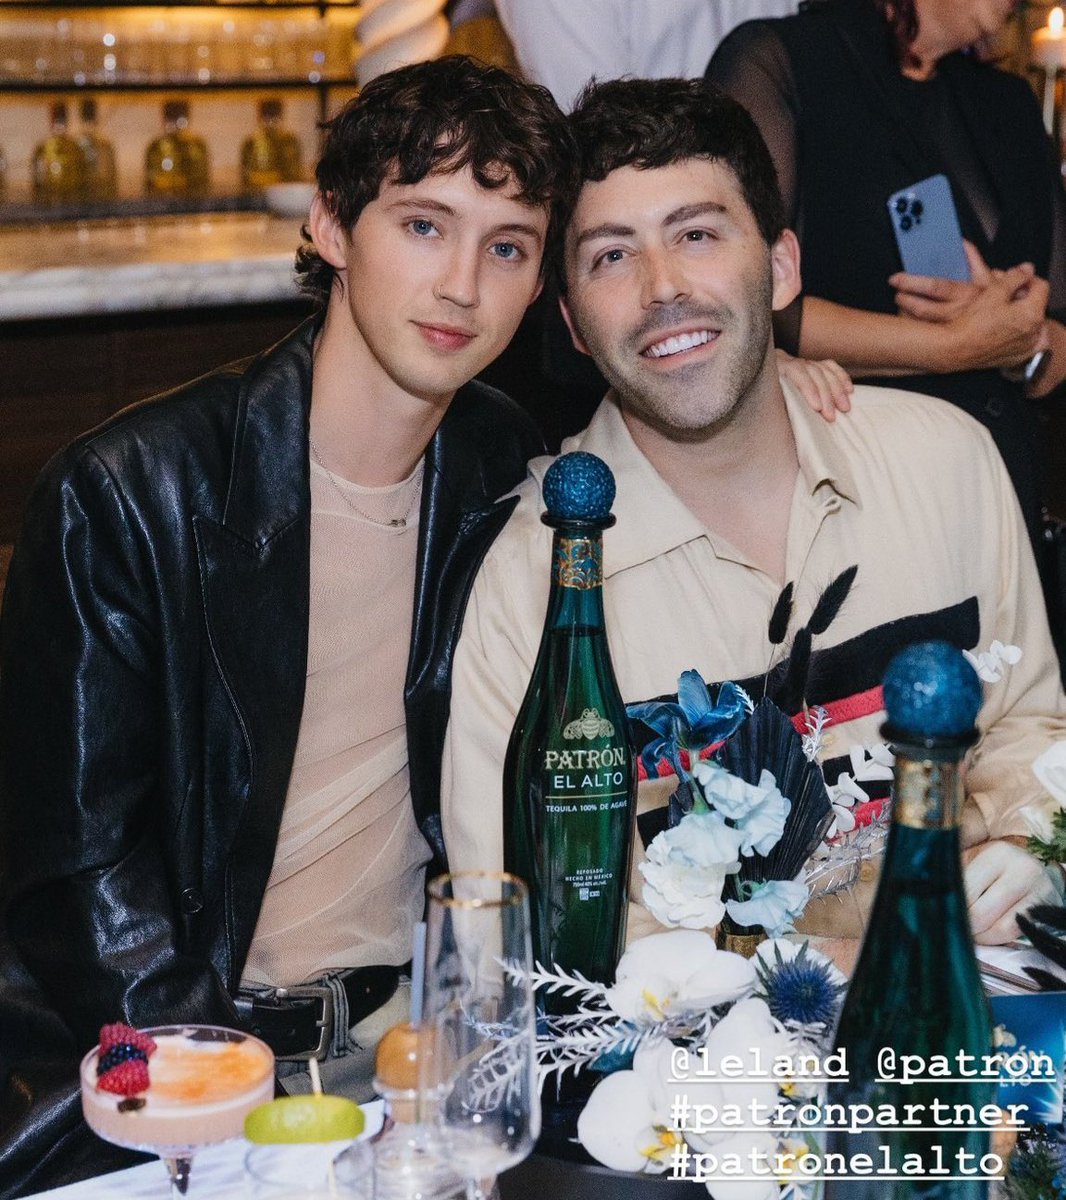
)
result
[(204, 1080)]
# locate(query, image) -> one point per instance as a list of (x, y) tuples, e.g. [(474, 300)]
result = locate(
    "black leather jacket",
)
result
[(152, 663)]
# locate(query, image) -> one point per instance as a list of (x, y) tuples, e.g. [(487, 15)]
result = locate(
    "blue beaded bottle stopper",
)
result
[(579, 489), (932, 696)]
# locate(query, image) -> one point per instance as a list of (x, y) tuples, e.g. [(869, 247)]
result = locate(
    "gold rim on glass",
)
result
[(437, 887)]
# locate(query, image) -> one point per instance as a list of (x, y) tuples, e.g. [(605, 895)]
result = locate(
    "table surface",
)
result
[(217, 1173)]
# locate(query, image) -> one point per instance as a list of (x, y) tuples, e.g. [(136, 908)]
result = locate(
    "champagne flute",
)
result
[(479, 1083), (203, 1081)]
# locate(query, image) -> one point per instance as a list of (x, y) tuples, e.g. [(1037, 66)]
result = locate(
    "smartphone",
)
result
[(927, 229)]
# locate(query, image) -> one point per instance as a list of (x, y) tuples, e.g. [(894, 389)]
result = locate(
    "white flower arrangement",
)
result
[(741, 830), (737, 851), (678, 1009), (687, 865)]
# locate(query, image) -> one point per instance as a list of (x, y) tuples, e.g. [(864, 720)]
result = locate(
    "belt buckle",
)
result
[(312, 991)]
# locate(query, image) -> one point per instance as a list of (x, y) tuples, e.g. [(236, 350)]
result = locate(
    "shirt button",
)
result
[(191, 901)]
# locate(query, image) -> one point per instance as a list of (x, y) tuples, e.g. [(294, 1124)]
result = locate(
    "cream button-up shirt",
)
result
[(910, 489)]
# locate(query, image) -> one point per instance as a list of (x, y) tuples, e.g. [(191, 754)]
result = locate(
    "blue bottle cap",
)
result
[(932, 691), (578, 487)]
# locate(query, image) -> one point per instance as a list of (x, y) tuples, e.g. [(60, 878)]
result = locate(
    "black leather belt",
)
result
[(297, 1022)]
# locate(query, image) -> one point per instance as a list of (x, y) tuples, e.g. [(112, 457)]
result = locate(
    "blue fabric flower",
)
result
[(694, 722), (773, 905)]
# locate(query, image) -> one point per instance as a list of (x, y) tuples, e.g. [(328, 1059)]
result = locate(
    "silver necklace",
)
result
[(394, 523)]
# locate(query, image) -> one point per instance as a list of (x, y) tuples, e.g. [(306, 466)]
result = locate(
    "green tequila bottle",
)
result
[(570, 773), (916, 989), (177, 162)]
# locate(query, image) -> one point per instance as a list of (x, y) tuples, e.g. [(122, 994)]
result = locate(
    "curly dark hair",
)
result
[(442, 116), (647, 123)]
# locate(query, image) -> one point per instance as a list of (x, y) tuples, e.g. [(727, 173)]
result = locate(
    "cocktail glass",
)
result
[(481, 1078), (204, 1080)]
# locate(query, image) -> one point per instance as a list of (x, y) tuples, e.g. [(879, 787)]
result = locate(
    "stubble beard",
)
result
[(690, 402)]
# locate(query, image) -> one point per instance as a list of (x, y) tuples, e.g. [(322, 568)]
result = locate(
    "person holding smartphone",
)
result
[(858, 99)]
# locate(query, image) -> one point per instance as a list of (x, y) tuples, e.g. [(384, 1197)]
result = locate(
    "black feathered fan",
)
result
[(768, 741)]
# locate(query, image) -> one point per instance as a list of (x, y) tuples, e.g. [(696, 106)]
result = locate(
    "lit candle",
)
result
[(1049, 43), (1049, 56)]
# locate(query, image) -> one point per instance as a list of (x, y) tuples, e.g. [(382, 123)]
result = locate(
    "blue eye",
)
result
[(508, 251), (422, 227)]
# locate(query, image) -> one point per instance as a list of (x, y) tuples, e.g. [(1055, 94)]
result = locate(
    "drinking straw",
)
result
[(316, 1087), (418, 971)]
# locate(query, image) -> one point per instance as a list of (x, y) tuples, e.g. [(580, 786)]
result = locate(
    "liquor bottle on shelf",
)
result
[(177, 163), (570, 773), (272, 153), (916, 989), (101, 179), (58, 162)]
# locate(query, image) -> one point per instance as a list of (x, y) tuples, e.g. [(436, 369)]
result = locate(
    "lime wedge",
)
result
[(305, 1119)]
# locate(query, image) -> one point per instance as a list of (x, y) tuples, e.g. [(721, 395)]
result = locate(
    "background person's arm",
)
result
[(999, 327)]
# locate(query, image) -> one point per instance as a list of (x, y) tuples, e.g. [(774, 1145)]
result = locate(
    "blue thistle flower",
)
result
[(801, 991)]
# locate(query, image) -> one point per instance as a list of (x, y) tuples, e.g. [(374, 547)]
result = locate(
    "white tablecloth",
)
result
[(217, 1174)]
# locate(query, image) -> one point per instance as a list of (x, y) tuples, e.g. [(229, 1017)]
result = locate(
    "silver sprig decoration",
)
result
[(839, 868), (572, 1041)]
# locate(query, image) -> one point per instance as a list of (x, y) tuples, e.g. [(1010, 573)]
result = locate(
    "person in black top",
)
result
[(860, 98)]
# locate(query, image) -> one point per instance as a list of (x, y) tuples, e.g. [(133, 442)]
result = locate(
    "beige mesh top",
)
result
[(347, 883)]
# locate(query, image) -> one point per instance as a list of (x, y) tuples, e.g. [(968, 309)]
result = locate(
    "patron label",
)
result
[(588, 780)]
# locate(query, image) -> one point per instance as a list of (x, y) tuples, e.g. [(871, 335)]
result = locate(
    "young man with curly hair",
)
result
[(229, 621)]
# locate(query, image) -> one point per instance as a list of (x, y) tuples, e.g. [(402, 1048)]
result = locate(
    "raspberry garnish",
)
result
[(127, 1079), (122, 1034)]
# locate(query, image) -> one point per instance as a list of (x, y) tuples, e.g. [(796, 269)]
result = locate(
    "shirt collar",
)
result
[(651, 519), (823, 461)]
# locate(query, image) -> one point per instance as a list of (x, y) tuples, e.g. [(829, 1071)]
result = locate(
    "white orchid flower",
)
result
[(742, 1145), (750, 1033), (627, 1122), (745, 1028), (620, 1128), (680, 971)]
